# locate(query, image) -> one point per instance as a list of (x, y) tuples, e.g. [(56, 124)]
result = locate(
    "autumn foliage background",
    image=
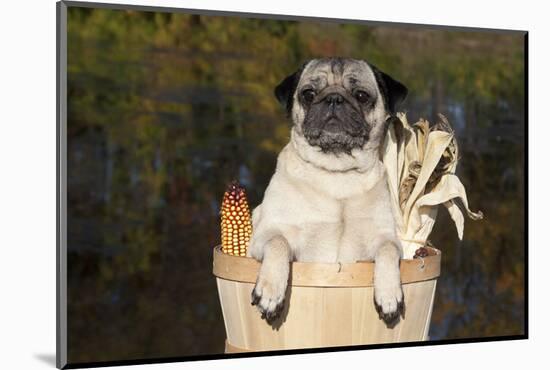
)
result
[(164, 110)]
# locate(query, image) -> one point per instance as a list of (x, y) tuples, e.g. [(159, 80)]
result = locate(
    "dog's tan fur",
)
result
[(325, 207)]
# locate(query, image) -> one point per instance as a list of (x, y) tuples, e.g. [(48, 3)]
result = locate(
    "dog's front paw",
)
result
[(269, 294), (388, 300)]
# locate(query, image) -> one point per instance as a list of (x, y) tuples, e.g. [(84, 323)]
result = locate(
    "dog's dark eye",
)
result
[(308, 95), (361, 96)]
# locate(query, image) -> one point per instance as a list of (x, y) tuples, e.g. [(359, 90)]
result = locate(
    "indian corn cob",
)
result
[(236, 226)]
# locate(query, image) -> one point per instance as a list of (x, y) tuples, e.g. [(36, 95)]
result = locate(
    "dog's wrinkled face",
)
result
[(339, 105)]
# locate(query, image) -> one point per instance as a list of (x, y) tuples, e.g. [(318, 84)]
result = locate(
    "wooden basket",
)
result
[(327, 304)]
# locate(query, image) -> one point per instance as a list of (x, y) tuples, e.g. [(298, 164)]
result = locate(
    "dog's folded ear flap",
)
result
[(284, 92), (394, 92)]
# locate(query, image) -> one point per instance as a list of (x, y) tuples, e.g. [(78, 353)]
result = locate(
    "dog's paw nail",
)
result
[(255, 298), (401, 308)]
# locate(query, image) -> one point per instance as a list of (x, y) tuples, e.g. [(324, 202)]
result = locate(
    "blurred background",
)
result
[(165, 109)]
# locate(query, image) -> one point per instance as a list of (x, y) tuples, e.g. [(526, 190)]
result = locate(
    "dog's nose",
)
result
[(334, 99)]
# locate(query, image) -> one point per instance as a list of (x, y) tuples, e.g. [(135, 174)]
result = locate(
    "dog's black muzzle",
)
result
[(335, 122)]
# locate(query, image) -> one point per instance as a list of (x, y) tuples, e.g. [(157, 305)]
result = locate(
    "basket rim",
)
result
[(315, 274)]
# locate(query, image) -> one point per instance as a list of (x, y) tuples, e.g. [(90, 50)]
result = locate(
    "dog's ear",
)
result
[(284, 92), (393, 92)]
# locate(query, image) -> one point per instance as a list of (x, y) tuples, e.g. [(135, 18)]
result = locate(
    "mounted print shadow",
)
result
[(249, 184)]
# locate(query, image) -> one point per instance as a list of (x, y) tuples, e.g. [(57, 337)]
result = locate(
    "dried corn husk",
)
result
[(421, 162)]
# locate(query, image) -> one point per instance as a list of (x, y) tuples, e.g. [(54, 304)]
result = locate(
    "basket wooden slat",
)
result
[(326, 305)]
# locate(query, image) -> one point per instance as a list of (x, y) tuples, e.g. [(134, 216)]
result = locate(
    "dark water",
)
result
[(165, 110)]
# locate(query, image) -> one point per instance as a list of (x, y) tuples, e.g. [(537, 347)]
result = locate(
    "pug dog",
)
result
[(328, 200)]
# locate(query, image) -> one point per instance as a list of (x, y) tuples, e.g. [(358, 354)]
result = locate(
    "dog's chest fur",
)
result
[(325, 215)]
